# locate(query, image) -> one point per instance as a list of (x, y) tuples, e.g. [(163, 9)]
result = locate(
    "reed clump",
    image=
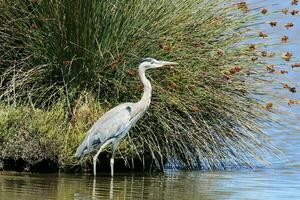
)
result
[(64, 63)]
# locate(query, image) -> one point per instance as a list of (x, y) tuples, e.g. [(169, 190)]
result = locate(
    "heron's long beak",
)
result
[(164, 63)]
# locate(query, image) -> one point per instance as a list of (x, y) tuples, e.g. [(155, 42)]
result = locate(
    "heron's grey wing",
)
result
[(110, 125)]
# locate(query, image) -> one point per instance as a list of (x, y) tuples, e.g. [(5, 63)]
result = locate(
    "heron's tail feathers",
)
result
[(81, 150), (88, 146)]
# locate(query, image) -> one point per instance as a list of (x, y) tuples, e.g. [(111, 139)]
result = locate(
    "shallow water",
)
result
[(258, 184)]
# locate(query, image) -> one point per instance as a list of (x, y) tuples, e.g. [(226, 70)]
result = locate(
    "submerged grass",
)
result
[(65, 62)]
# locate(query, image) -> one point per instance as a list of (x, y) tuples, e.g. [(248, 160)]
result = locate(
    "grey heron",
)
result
[(115, 124)]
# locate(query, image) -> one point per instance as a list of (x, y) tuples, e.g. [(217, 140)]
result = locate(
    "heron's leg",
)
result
[(95, 160), (96, 156), (114, 148), (112, 163), (112, 166)]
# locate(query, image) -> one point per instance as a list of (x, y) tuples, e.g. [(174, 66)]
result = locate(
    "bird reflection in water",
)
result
[(111, 189)]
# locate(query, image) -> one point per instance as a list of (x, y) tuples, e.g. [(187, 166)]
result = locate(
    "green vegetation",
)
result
[(63, 63)]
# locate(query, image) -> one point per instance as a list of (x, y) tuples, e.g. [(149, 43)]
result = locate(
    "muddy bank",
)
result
[(103, 165)]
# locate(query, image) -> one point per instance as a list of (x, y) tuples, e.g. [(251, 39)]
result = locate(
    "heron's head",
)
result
[(151, 63)]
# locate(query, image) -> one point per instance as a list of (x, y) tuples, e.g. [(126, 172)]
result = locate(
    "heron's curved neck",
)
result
[(146, 98)]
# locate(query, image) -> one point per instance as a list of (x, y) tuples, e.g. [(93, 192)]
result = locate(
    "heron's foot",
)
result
[(112, 166)]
